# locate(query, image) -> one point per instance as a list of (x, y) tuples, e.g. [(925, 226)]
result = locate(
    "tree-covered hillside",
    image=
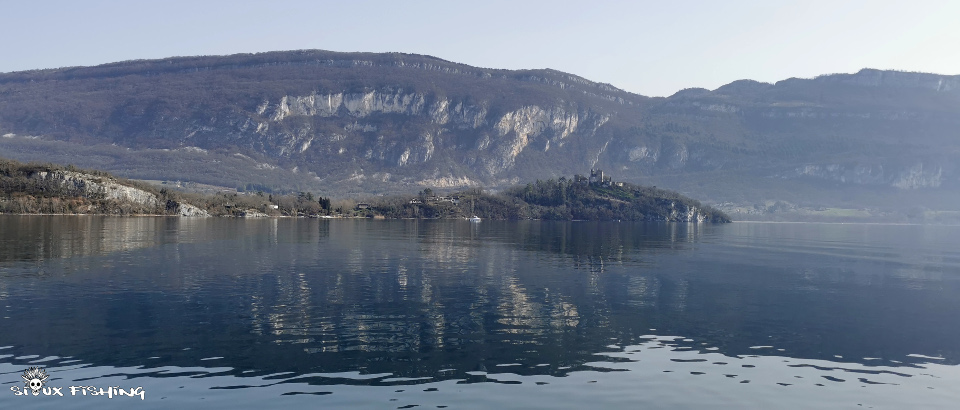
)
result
[(36, 188), (559, 199)]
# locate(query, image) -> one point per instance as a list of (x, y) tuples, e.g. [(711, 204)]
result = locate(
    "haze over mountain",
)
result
[(363, 123)]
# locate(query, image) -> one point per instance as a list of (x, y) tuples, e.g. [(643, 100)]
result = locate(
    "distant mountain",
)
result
[(362, 123)]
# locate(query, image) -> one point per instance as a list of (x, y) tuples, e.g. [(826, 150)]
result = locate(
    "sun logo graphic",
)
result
[(34, 378)]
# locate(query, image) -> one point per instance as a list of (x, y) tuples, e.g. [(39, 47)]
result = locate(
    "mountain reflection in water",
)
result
[(381, 303)]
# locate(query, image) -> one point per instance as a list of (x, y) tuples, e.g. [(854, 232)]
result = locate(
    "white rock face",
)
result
[(306, 144), (533, 120), (690, 214), (362, 105), (468, 116), (107, 188), (679, 157), (443, 111), (483, 143), (355, 104), (309, 105), (694, 214), (428, 147), (185, 209), (514, 130), (916, 177), (527, 123), (448, 182), (643, 153), (439, 113), (502, 138)]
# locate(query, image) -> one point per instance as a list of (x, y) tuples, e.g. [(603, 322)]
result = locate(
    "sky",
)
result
[(653, 48)]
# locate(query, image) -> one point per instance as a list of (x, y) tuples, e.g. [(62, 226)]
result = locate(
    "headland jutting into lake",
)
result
[(52, 189)]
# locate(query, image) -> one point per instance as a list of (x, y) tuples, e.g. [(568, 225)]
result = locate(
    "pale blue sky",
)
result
[(649, 47)]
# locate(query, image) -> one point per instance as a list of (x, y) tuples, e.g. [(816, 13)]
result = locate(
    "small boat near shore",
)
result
[(474, 219)]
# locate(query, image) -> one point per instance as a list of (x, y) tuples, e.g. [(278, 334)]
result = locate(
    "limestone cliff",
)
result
[(102, 188)]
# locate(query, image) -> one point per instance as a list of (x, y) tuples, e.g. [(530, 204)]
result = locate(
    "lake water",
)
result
[(222, 313)]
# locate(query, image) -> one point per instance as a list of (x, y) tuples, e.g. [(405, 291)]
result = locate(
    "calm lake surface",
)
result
[(222, 313)]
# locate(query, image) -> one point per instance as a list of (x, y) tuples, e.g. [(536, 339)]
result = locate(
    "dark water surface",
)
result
[(222, 313)]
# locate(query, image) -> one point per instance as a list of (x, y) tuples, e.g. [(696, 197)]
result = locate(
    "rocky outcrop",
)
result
[(106, 188), (916, 177), (685, 213), (185, 209), (100, 187), (439, 110), (502, 137), (519, 128)]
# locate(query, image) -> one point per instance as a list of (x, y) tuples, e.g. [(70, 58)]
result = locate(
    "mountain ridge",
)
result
[(370, 123), (865, 76), (296, 57)]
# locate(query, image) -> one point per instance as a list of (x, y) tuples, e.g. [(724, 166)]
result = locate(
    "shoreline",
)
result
[(457, 219)]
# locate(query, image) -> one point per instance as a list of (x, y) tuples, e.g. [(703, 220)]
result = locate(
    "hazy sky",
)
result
[(649, 47)]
